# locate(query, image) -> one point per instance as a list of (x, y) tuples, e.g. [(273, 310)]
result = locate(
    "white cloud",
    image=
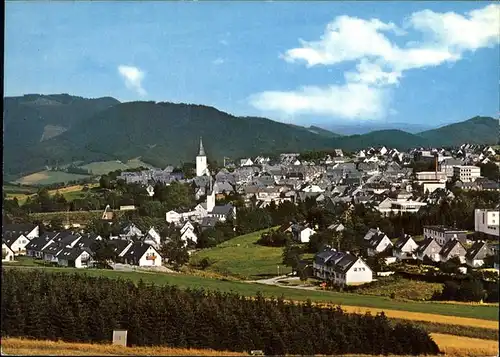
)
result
[(133, 77), (352, 100), (218, 61), (380, 61)]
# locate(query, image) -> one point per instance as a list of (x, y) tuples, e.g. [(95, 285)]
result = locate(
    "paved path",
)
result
[(274, 282)]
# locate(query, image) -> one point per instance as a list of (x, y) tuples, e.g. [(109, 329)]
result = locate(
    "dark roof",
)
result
[(137, 250), (400, 243), (118, 245), (476, 248), (38, 243), (225, 210), (327, 256), (9, 238), (18, 228), (53, 249), (447, 248), (85, 242), (67, 239), (375, 240), (71, 253), (424, 245), (345, 263), (209, 221)]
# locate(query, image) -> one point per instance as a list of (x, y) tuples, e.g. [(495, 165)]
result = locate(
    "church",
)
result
[(201, 162), (207, 209)]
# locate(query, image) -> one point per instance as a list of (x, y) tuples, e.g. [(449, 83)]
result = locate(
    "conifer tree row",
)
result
[(81, 308)]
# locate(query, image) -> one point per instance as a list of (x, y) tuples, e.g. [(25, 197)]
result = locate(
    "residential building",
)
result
[(487, 221), (432, 176), (443, 234), (396, 206), (405, 248), (428, 248), (7, 253), (142, 254), (302, 234), (453, 248), (431, 186), (75, 257), (377, 244), (476, 254), (466, 173), (341, 268)]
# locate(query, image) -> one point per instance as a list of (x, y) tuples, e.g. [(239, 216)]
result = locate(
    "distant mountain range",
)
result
[(365, 127), (41, 130)]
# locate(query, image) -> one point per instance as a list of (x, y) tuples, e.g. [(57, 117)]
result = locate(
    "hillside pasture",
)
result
[(243, 258), (356, 301), (104, 167), (49, 177)]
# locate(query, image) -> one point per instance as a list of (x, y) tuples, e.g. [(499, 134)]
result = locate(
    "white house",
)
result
[(377, 244), (342, 268), (432, 186), (405, 248), (153, 238), (189, 235), (173, 217), (397, 206), (428, 248), (186, 226), (16, 243), (487, 221), (7, 253), (142, 254), (74, 257), (302, 234), (246, 162), (476, 254)]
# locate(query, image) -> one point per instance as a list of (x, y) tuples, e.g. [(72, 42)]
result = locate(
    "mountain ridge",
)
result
[(164, 133)]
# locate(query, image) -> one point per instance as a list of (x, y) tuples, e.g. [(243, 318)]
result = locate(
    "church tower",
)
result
[(201, 161)]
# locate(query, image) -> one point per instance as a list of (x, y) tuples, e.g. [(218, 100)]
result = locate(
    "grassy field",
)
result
[(452, 346), (104, 167), (20, 347), (69, 192), (402, 289), (476, 313), (49, 177), (243, 258)]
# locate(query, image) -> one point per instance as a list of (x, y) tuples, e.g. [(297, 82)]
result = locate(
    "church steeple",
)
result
[(202, 150)]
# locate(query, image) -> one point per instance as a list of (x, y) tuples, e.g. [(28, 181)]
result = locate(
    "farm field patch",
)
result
[(49, 177)]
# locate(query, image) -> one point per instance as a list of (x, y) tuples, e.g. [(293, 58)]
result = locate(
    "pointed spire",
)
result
[(202, 150)]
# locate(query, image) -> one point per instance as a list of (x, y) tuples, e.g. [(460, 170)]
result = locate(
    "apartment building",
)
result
[(442, 234), (466, 173), (487, 221)]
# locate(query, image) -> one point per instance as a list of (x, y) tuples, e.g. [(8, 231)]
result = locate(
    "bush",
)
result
[(273, 239)]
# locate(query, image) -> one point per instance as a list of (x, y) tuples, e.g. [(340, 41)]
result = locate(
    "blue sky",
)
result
[(307, 63)]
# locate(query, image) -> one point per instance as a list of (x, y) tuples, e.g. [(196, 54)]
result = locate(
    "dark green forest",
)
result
[(80, 308)]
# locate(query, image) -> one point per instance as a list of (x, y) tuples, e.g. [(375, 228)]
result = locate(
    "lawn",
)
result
[(49, 177), (104, 167), (242, 258), (69, 192), (250, 289)]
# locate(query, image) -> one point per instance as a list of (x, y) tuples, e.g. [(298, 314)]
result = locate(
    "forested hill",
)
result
[(42, 129)]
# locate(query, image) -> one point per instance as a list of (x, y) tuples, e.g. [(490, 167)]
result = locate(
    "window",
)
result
[(355, 269)]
